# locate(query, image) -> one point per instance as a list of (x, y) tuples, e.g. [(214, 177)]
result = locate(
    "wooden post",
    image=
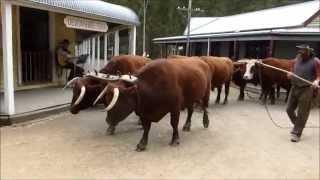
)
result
[(6, 10), (235, 56), (93, 63), (98, 53), (52, 44), (166, 49), (85, 42), (116, 43), (271, 48), (89, 52), (208, 50), (105, 48), (133, 40)]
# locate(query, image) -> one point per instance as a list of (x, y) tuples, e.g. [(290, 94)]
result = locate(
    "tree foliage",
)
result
[(163, 18)]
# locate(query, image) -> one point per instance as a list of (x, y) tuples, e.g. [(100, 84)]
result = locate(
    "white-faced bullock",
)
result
[(161, 87), (269, 78), (237, 77)]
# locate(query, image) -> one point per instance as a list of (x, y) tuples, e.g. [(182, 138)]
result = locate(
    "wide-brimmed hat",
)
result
[(305, 46)]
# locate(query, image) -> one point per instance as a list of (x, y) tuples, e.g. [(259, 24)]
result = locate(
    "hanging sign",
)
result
[(85, 24)]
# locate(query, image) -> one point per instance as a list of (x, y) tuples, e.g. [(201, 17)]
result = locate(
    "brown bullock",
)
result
[(161, 87), (222, 69), (87, 89), (124, 64)]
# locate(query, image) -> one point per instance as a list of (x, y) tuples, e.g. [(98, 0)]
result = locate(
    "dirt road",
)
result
[(241, 142)]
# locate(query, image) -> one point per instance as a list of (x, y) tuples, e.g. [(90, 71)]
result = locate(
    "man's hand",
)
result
[(315, 84)]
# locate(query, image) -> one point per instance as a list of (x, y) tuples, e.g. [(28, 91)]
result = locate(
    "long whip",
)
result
[(266, 107)]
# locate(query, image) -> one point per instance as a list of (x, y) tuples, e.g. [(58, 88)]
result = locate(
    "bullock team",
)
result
[(153, 89)]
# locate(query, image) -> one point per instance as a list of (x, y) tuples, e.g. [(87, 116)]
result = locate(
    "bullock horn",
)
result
[(83, 91), (70, 82), (106, 77), (129, 78), (101, 94), (114, 99), (239, 63)]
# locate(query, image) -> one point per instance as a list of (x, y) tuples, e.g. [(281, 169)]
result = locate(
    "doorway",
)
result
[(36, 61)]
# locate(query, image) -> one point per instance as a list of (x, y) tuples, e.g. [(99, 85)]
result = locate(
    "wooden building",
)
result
[(271, 32)]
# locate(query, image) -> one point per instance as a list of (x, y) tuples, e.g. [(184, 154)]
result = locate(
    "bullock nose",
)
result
[(246, 77)]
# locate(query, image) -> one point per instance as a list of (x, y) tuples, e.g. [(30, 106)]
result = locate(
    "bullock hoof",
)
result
[(110, 130), (225, 102), (240, 98), (217, 102), (206, 124), (186, 127), (272, 103), (205, 121), (141, 147), (175, 142)]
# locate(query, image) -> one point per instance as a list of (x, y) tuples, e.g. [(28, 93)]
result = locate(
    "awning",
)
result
[(94, 9)]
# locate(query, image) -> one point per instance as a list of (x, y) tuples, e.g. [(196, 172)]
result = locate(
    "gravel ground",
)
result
[(241, 142)]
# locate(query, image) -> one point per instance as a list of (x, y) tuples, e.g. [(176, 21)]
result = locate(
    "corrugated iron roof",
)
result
[(281, 17), (200, 22), (110, 12)]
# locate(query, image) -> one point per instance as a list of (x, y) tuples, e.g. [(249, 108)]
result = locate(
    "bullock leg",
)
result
[(187, 125), (261, 95), (272, 95), (218, 95), (226, 92), (241, 95), (205, 118), (144, 140), (264, 96), (205, 105), (278, 91), (174, 123), (111, 129)]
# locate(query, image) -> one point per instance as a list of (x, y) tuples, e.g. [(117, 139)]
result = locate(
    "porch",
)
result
[(96, 28), (34, 102)]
